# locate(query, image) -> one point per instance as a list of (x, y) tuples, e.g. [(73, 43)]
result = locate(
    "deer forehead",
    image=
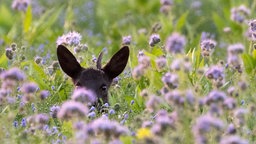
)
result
[(93, 75)]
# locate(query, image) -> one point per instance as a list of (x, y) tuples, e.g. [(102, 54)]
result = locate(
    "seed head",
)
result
[(252, 25), (9, 53), (207, 47), (38, 59), (154, 39)]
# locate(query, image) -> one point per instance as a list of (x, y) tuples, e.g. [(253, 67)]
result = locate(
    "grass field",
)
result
[(190, 77)]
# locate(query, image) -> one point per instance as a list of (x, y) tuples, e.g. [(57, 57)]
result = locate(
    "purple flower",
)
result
[(231, 129), (215, 96), (239, 116), (205, 124), (207, 47), (29, 88), (42, 119), (166, 2), (144, 61), (175, 97), (92, 108), (235, 49), (21, 5), (216, 74), (127, 40), (132, 102), (171, 80), (138, 72), (70, 39), (108, 128), (176, 65), (23, 122), (13, 74), (33, 107), (44, 94), (71, 109), (161, 63), (84, 96), (252, 25), (190, 98), (233, 140), (154, 39), (175, 43), (229, 103), (153, 102), (54, 111), (9, 53), (15, 124), (240, 14), (112, 111), (91, 114)]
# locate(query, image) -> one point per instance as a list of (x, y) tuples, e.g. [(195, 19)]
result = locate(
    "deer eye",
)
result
[(103, 87)]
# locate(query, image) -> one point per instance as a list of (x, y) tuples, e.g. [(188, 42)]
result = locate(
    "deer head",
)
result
[(97, 80)]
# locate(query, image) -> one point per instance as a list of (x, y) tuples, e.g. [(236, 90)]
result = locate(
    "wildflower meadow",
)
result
[(190, 77)]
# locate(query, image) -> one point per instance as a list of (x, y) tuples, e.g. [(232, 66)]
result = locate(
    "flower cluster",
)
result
[(216, 75), (69, 39), (20, 5), (72, 109), (175, 43), (240, 14), (234, 60), (207, 47), (144, 64), (166, 6), (154, 39)]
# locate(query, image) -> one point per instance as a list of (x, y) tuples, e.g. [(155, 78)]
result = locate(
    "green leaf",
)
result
[(157, 51), (6, 18), (249, 62), (28, 19), (181, 21), (36, 73), (3, 61), (126, 139), (66, 128), (45, 22), (254, 53), (218, 21)]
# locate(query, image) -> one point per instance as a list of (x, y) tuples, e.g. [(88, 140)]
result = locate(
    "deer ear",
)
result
[(68, 62), (117, 63)]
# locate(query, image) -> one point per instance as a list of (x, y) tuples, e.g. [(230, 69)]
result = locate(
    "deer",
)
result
[(99, 79)]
